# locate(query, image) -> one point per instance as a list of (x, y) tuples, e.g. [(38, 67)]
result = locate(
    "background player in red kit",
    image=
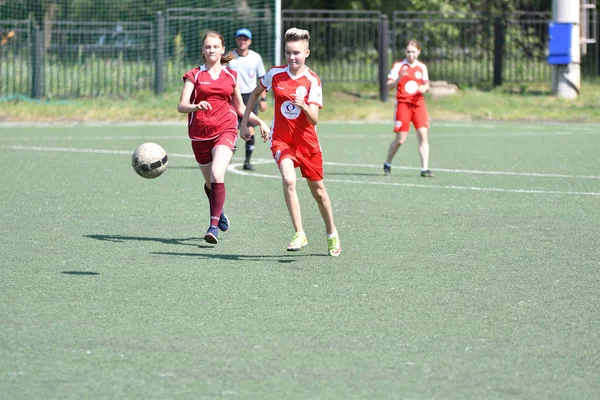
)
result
[(411, 80), (211, 96), (294, 143)]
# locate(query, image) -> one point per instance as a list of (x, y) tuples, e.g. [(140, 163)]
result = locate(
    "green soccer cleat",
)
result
[(427, 174), (334, 246), (298, 241)]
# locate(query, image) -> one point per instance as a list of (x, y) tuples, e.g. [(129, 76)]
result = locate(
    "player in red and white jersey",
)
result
[(298, 97), (211, 98), (411, 80)]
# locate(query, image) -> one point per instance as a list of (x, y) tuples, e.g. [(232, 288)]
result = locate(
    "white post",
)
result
[(566, 79), (277, 60)]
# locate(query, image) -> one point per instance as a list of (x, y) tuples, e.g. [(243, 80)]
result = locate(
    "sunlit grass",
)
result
[(512, 102)]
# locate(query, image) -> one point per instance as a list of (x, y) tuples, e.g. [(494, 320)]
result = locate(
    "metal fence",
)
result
[(184, 28), (456, 47), (344, 44), (15, 57), (77, 59)]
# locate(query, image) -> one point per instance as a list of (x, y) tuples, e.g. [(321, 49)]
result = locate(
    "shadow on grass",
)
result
[(194, 167), (193, 241), (353, 173), (283, 258), (80, 273), (120, 238)]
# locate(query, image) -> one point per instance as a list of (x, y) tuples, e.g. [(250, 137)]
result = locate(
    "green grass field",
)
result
[(482, 283)]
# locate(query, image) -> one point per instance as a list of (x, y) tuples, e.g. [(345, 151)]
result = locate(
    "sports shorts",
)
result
[(407, 113), (203, 149), (311, 164)]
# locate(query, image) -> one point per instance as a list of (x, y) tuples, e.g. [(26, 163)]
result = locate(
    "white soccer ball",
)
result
[(149, 160)]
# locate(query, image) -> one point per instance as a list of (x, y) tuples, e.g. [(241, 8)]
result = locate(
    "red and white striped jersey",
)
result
[(290, 123), (412, 76)]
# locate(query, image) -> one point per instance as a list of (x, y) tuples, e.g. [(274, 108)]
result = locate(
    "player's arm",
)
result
[(185, 106), (248, 115), (260, 72), (394, 77), (424, 88), (311, 110), (262, 106), (240, 108)]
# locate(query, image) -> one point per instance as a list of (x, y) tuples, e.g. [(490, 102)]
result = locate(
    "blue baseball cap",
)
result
[(244, 32)]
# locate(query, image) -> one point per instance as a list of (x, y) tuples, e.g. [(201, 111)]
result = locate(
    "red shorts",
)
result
[(311, 164), (407, 113), (203, 148)]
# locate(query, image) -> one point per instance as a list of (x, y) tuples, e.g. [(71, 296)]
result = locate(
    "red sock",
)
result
[(207, 191), (216, 199)]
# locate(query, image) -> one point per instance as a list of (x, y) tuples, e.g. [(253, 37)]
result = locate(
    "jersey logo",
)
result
[(418, 74), (289, 110), (411, 87), (301, 91)]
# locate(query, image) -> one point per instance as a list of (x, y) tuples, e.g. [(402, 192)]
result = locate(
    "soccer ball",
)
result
[(149, 160)]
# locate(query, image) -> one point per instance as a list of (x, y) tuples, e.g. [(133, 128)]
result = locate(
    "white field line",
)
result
[(235, 168)]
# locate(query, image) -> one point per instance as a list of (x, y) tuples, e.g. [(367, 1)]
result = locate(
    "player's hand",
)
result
[(203, 105), (245, 132), (299, 102), (262, 106), (265, 131), (423, 89)]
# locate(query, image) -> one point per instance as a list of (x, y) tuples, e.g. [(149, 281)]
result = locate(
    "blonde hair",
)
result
[(295, 35), (225, 58)]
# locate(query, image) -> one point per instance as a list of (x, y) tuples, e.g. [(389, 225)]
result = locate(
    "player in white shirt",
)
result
[(250, 67)]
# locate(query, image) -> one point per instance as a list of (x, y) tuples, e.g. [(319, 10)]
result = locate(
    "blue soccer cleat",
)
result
[(223, 222), (212, 235)]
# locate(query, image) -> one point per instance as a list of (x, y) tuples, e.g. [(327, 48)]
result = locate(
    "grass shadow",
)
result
[(284, 258), (121, 238), (80, 273), (354, 173)]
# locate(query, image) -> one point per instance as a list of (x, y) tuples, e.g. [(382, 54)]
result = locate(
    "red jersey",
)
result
[(408, 86), (208, 124), (290, 124)]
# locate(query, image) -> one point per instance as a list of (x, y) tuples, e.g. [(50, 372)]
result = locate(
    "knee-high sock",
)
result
[(249, 148), (217, 200), (207, 191)]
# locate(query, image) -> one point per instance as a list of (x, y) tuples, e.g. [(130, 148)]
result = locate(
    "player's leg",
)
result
[(286, 160), (401, 128), (311, 166), (318, 191), (288, 179), (250, 143), (222, 153), (421, 123), (212, 232), (249, 149)]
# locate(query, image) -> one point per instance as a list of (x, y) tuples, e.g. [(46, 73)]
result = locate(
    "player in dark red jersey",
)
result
[(211, 98), (294, 142), (411, 80)]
